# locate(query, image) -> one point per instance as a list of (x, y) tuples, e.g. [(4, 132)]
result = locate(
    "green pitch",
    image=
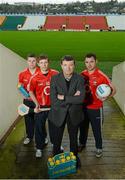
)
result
[(109, 46)]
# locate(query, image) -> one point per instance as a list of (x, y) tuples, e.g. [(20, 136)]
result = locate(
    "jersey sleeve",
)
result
[(107, 80), (20, 78), (32, 84)]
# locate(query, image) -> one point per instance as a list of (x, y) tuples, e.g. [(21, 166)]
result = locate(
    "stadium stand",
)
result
[(97, 22), (2, 18), (11, 22), (33, 23), (63, 22), (117, 21), (55, 22), (75, 22)]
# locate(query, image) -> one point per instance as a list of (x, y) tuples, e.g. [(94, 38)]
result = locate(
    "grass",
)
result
[(109, 46)]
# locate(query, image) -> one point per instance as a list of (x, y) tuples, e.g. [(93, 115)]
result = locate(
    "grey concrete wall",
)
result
[(10, 65), (118, 78)]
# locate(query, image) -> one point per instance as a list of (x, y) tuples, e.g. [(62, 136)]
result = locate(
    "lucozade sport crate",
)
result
[(61, 165)]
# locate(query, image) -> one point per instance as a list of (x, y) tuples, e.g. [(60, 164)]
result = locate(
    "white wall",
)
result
[(118, 78), (10, 65), (33, 22), (117, 21)]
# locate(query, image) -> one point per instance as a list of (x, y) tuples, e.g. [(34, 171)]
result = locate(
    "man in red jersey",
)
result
[(93, 105), (40, 94), (23, 79)]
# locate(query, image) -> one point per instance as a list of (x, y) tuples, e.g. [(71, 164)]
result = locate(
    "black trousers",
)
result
[(40, 129), (95, 117), (29, 119), (56, 135)]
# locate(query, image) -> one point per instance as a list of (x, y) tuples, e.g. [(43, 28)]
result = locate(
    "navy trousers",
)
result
[(95, 117), (29, 119), (40, 129)]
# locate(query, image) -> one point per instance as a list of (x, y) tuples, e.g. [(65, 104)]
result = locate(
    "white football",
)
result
[(103, 90)]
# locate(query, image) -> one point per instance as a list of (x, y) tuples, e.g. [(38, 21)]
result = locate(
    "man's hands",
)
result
[(61, 97), (77, 93), (37, 108), (102, 99)]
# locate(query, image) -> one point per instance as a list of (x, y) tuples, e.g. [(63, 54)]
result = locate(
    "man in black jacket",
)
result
[(67, 95)]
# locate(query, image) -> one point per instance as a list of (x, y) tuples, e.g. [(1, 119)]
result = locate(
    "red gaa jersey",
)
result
[(25, 76), (40, 85), (91, 82)]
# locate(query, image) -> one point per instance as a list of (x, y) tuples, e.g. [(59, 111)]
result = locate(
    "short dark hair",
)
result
[(42, 56), (89, 55), (31, 55), (67, 58)]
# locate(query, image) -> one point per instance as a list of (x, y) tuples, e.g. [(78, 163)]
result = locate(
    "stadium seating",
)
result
[(75, 22), (69, 23), (11, 22), (117, 21), (55, 22), (2, 18), (97, 22), (33, 23)]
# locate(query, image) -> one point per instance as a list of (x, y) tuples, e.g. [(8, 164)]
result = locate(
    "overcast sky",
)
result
[(51, 1)]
